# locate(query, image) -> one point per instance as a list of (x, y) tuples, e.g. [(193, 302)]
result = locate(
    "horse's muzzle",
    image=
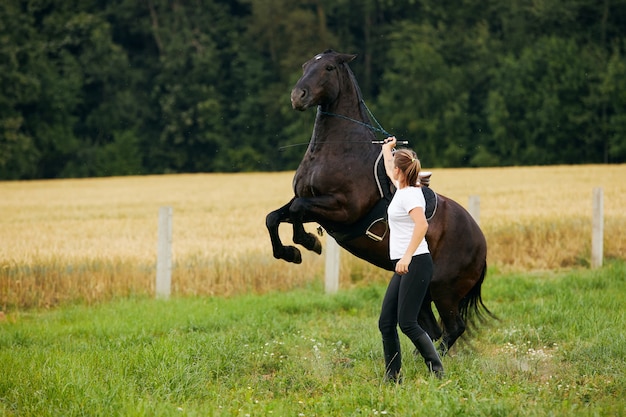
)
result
[(299, 99)]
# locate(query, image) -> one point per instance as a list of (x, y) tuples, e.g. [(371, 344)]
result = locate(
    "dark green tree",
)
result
[(19, 87)]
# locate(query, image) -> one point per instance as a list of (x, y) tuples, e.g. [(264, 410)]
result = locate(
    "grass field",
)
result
[(89, 240), (559, 349)]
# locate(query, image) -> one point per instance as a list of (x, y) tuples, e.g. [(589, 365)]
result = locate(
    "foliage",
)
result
[(93, 88)]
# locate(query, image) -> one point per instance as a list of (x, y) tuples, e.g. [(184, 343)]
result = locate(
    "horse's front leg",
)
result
[(280, 251), (303, 210)]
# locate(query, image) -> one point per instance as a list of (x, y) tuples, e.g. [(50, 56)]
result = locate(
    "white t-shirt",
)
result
[(401, 224)]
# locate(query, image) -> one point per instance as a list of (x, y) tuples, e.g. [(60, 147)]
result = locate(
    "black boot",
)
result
[(427, 349), (393, 360)]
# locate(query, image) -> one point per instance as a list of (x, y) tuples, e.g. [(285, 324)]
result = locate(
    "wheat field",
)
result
[(88, 240)]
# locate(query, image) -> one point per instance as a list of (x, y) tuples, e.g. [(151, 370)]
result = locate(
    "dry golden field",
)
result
[(92, 239)]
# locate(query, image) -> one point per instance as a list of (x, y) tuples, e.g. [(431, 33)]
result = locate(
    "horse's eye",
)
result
[(330, 67)]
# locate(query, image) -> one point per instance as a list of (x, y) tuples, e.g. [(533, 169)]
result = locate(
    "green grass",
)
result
[(559, 348)]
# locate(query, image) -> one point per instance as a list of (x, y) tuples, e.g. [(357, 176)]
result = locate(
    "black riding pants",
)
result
[(404, 298)]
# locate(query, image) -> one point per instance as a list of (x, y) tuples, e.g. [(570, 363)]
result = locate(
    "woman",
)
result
[(408, 250)]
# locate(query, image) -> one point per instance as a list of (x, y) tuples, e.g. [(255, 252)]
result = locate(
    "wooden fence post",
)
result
[(164, 254), (474, 207), (597, 237), (331, 280)]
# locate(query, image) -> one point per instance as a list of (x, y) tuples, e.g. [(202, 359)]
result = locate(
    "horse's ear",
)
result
[(345, 58)]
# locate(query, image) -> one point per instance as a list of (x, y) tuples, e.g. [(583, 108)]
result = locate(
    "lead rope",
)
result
[(379, 129), (374, 118)]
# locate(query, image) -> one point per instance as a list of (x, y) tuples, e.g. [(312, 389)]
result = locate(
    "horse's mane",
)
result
[(359, 95)]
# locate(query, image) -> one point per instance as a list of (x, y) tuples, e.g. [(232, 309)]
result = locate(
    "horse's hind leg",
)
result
[(453, 324), (280, 251), (447, 303), (427, 320)]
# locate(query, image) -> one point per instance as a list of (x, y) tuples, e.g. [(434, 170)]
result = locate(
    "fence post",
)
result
[(331, 280), (164, 254), (474, 207), (597, 237)]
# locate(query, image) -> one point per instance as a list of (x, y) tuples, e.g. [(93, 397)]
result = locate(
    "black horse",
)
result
[(338, 186)]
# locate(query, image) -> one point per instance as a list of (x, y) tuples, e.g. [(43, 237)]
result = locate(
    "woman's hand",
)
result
[(390, 142), (402, 267)]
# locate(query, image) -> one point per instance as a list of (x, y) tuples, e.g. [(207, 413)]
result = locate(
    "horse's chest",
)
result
[(312, 182), (304, 184), (322, 174)]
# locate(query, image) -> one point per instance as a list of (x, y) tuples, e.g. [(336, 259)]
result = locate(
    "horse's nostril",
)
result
[(300, 98)]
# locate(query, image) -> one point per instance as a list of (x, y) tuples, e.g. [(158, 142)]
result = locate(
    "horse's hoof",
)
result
[(317, 248), (314, 244), (310, 242), (292, 254)]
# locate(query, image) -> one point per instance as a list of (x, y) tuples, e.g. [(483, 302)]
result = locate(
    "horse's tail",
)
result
[(472, 306)]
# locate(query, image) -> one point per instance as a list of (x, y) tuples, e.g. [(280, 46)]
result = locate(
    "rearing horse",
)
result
[(336, 186)]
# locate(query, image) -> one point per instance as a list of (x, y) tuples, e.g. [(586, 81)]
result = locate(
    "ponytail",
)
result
[(406, 160)]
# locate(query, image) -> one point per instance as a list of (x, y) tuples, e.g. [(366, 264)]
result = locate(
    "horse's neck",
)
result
[(348, 111), (348, 104), (343, 120), (349, 131)]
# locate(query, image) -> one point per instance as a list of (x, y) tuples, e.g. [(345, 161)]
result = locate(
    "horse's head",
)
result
[(321, 80)]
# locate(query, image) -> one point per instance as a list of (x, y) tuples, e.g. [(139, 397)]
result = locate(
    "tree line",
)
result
[(121, 87)]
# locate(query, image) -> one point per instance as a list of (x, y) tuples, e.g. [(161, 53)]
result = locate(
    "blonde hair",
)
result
[(406, 160)]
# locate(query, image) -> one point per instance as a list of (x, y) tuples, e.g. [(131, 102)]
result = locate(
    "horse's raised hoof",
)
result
[(317, 248), (310, 242), (289, 254)]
